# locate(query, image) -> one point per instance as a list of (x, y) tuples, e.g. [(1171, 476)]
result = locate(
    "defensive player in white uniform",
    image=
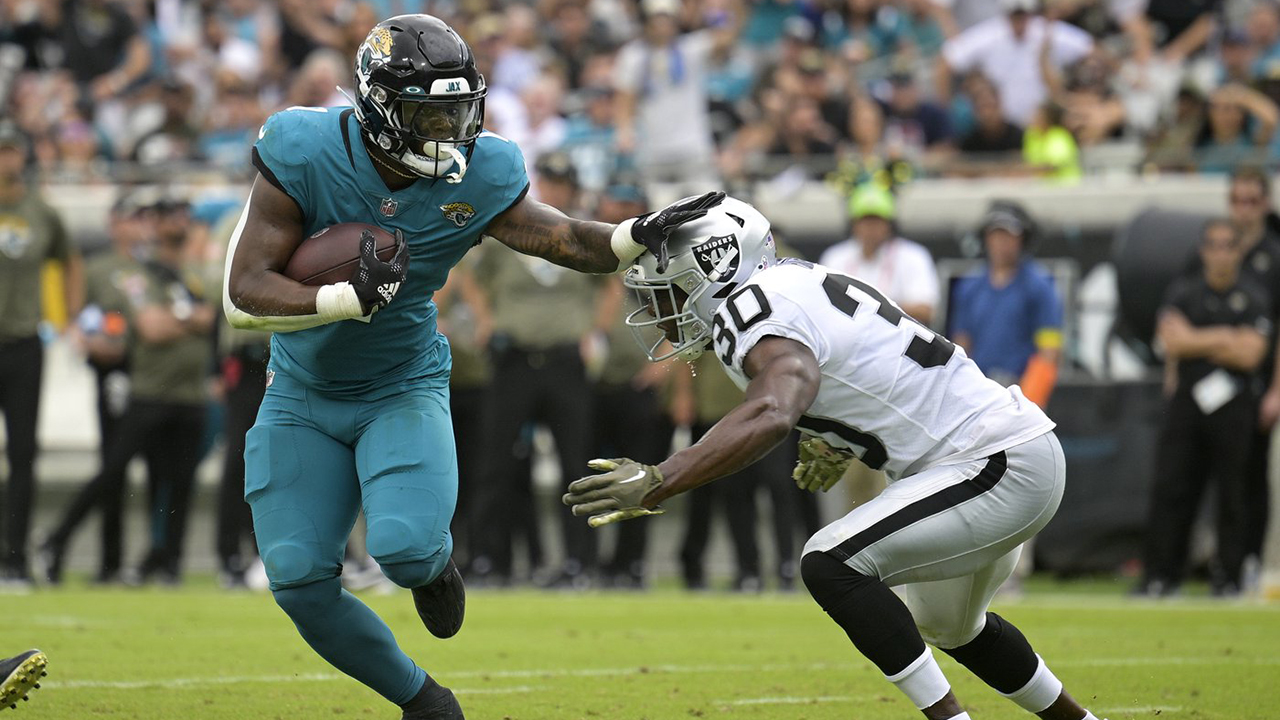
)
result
[(974, 468)]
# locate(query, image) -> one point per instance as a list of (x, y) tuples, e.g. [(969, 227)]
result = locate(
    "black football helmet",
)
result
[(419, 95)]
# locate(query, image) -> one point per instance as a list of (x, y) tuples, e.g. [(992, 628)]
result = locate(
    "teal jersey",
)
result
[(316, 156)]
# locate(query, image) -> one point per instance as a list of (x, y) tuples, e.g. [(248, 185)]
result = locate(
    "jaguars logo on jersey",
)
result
[(458, 213)]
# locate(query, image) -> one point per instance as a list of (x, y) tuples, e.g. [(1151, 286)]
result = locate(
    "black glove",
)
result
[(653, 229), (376, 282)]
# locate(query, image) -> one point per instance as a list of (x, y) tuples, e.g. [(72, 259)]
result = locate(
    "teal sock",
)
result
[(345, 632)]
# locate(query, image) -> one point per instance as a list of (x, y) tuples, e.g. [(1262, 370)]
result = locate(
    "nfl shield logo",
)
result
[(388, 207)]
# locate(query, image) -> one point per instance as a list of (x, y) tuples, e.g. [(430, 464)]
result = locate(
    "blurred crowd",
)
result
[(837, 90)]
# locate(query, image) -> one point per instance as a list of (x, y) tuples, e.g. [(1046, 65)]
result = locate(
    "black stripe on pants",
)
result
[(943, 500)]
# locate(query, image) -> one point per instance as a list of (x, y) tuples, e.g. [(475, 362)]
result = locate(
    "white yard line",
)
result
[(199, 682), (1142, 661), (787, 700)]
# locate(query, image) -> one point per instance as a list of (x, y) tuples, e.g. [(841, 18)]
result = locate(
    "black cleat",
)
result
[(21, 674), (437, 704), (442, 603)]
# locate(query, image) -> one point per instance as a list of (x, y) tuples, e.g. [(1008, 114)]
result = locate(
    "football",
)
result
[(332, 254)]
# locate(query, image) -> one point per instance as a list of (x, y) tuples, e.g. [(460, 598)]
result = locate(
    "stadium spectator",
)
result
[(1240, 121), (1180, 28), (101, 46), (542, 98), (517, 64), (175, 138), (1214, 328), (172, 323), (992, 136), (542, 315), (589, 138), (576, 38), (113, 280), (1237, 59), (661, 82), (31, 234), (1049, 149), (916, 125), (1008, 50), (901, 269), (1008, 316)]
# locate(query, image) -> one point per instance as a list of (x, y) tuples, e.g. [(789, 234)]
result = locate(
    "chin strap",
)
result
[(455, 177)]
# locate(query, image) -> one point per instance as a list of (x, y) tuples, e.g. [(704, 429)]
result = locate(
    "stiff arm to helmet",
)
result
[(708, 259)]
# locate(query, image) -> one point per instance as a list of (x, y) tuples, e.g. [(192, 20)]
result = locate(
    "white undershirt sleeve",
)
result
[(337, 299)]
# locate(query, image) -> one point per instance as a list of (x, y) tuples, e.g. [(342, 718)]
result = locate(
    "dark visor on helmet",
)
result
[(436, 119)]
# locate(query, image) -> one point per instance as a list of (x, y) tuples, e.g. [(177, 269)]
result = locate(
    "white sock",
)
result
[(1089, 716), (961, 716), (922, 681), (1041, 691)]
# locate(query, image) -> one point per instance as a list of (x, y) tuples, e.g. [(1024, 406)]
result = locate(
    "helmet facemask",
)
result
[(427, 133), (422, 113), (666, 310)]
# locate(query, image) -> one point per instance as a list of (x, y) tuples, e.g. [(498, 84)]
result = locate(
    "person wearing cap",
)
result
[(31, 234), (903, 270), (1008, 50), (661, 83), (114, 280), (171, 321), (1008, 316), (542, 318)]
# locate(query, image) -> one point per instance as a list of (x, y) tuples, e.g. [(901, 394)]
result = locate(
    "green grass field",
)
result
[(199, 653)]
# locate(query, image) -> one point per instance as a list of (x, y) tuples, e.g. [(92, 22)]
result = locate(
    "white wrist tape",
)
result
[(338, 302), (624, 246)]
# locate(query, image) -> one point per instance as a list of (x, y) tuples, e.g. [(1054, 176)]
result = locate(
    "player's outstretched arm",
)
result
[(784, 382), (537, 229)]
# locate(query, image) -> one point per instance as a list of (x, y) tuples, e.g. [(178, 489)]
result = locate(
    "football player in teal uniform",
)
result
[(356, 414)]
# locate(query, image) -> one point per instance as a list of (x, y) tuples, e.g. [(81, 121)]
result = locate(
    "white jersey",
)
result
[(902, 397)]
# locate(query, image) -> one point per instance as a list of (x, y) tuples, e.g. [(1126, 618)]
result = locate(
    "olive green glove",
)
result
[(615, 494), (821, 466)]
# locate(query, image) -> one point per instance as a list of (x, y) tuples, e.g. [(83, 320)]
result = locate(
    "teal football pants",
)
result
[(311, 462)]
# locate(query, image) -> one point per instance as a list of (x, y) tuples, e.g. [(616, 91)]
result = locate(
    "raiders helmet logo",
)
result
[(458, 213), (709, 254)]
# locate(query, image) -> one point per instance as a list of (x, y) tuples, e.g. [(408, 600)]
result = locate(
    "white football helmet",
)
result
[(709, 258)]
